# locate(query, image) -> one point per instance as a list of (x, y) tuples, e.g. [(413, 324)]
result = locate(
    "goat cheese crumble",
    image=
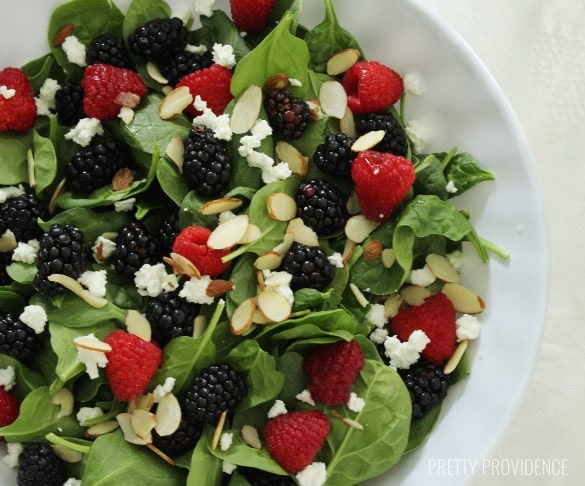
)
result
[(91, 359), (13, 450), (355, 403), (103, 248), (160, 391), (7, 377), (421, 276), (219, 125), (223, 54), (278, 408), (314, 474), (418, 135), (124, 206), (305, 397), (225, 441), (88, 413), (74, 50), (46, 100), (84, 131), (153, 280), (94, 282), (467, 327), (204, 7), (404, 354), (195, 290), (10, 191), (35, 317), (26, 252)]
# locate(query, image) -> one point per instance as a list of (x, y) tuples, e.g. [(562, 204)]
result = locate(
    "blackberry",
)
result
[(427, 385), (94, 166), (334, 156), (62, 249), (38, 464), (180, 441), (159, 39), (17, 339), (288, 116), (69, 104), (167, 232), (308, 266), (207, 165), (176, 67), (135, 246), (5, 260), (108, 49), (258, 477), (20, 214), (170, 316), (394, 140), (215, 390), (321, 206)]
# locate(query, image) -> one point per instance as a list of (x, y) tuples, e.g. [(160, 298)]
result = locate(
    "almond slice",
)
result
[(274, 306), (126, 114), (260, 318), (75, 287), (388, 257), (268, 261), (251, 437), (175, 102), (176, 152), (199, 326), (372, 250), (220, 205), (464, 300), (333, 99), (8, 241), (368, 140), (64, 398), (182, 266), (68, 455), (154, 72), (341, 61), (161, 454), (296, 161), (143, 422), (246, 110), (358, 294), (358, 228), (227, 234), (218, 430), (138, 324), (392, 305), (102, 428), (91, 343), (302, 233), (283, 247), (442, 268), (347, 124), (455, 358), (348, 250), (168, 415), (30, 165), (315, 109), (253, 233), (415, 294), (277, 81), (352, 204), (243, 317), (125, 422), (281, 206)]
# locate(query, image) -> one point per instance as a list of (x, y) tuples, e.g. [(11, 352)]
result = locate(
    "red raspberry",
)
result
[(371, 87), (191, 243), (382, 181), (19, 111), (212, 84), (436, 317), (9, 408), (294, 439), (108, 88), (251, 16), (132, 363), (332, 370)]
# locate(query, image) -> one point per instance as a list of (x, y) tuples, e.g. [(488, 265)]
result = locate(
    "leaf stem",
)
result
[(60, 441)]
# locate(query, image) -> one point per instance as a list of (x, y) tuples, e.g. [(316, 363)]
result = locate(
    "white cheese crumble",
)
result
[(74, 50), (378, 335), (84, 131), (355, 403), (160, 391), (92, 359), (13, 450), (314, 474), (35, 317), (125, 205), (10, 191), (223, 54), (26, 252), (7, 92), (204, 7), (195, 290), (451, 187), (305, 397), (225, 441), (103, 248), (405, 354), (153, 280), (88, 413), (336, 259), (376, 315), (421, 276), (227, 467), (219, 125), (72, 482), (456, 258), (46, 100), (418, 135), (94, 281), (412, 84), (468, 327), (278, 408), (279, 282), (7, 377)]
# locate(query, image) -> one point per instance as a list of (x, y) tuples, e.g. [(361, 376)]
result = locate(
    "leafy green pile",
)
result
[(269, 356)]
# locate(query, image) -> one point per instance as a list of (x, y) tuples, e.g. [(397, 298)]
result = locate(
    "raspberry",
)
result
[(17, 339), (308, 266), (192, 244), (332, 370), (107, 89), (135, 246), (18, 110), (382, 181), (371, 87), (69, 104), (39, 464), (427, 386), (108, 49), (293, 439), (288, 116), (251, 16), (334, 156), (321, 206), (158, 39), (9, 408), (436, 318), (132, 363), (212, 84), (394, 140), (176, 67)]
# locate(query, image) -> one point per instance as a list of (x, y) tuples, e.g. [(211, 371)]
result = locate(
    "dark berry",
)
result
[(62, 249), (94, 166), (108, 49), (321, 206), (394, 140), (259, 477), (427, 385), (38, 464), (20, 214), (334, 156), (308, 266), (17, 339), (167, 232), (69, 104), (180, 441), (183, 63), (5, 260), (135, 246), (288, 116), (215, 390), (159, 39), (207, 165)]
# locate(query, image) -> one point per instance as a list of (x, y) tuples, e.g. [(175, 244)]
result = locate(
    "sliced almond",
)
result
[(127, 99), (464, 300), (75, 287), (176, 152), (415, 294), (315, 109), (199, 326), (217, 206), (227, 234), (251, 437), (455, 358), (143, 422), (246, 110), (138, 324), (91, 343), (30, 165), (243, 317), (168, 415), (100, 429), (296, 161), (64, 398), (260, 279), (277, 81), (302, 233), (253, 233), (354, 424), (368, 140), (59, 190), (68, 455), (348, 250), (142, 402), (65, 31), (175, 102), (358, 294), (268, 261), (219, 287), (347, 124), (358, 228), (274, 306), (442, 268), (218, 430), (392, 305), (341, 61), (388, 257), (126, 114), (333, 99), (260, 318), (283, 247), (122, 179), (125, 422), (8, 241), (161, 454), (281, 206), (154, 72), (352, 204), (372, 250), (182, 266)]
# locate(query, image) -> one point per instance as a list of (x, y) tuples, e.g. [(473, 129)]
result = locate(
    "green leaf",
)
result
[(205, 468), (219, 28), (420, 429), (172, 181), (45, 165), (141, 11), (465, 172), (26, 379), (13, 162), (39, 70)]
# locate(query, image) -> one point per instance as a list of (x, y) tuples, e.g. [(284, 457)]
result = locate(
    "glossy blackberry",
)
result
[(258, 477), (216, 389), (334, 156), (20, 214), (427, 386), (135, 246), (288, 116), (5, 260), (180, 441), (159, 39), (207, 165), (108, 49), (94, 166), (308, 266), (321, 206), (62, 249), (394, 140), (183, 63), (167, 232), (170, 316), (17, 339), (38, 464), (69, 104)]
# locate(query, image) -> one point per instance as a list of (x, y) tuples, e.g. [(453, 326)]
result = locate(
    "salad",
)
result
[(207, 197)]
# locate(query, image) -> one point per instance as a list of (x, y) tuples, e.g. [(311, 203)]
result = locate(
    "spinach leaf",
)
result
[(26, 379), (23, 273), (243, 276), (421, 428), (13, 162), (141, 11), (172, 181), (38, 70), (205, 467), (12, 302), (219, 28), (430, 178), (45, 166), (465, 172)]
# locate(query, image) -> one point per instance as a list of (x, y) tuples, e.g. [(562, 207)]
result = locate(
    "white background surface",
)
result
[(535, 49)]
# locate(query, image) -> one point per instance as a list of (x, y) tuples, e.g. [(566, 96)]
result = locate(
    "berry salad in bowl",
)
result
[(227, 255)]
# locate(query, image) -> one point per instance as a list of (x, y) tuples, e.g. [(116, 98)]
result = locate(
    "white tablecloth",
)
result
[(535, 49)]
